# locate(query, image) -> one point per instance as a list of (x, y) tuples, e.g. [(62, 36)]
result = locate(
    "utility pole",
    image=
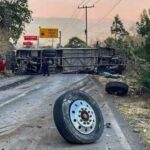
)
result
[(52, 42), (60, 38), (38, 42), (86, 20)]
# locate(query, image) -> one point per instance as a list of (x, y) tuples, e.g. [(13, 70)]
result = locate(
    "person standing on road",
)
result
[(45, 67), (13, 67)]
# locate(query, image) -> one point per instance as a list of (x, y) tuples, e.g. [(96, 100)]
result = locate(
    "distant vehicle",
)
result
[(67, 60)]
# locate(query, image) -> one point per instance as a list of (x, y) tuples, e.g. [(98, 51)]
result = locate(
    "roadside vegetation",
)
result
[(137, 111), (14, 14), (135, 47), (136, 106)]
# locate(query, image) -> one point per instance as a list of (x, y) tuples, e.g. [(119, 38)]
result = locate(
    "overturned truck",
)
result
[(68, 60)]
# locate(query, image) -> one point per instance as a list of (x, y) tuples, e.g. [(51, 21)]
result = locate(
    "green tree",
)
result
[(117, 28), (116, 43), (143, 26), (119, 41), (143, 52), (109, 42), (75, 42), (14, 14)]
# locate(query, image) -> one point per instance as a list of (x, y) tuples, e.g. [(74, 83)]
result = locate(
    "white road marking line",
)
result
[(37, 87), (17, 97)]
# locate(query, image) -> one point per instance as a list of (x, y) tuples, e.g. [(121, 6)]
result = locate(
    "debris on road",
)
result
[(108, 148), (110, 75), (108, 125), (39, 126)]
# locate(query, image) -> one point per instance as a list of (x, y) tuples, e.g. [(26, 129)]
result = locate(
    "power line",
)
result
[(87, 2), (82, 2), (86, 20), (94, 5), (96, 2), (74, 15), (101, 19)]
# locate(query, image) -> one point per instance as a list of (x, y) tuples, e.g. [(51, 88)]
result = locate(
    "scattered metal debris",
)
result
[(108, 125)]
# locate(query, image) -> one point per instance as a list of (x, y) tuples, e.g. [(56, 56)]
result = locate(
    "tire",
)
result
[(68, 124), (117, 88)]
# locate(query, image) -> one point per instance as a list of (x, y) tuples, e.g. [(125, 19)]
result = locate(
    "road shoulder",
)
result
[(127, 130)]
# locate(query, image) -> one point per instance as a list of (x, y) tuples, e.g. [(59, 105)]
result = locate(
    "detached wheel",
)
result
[(117, 88), (78, 117)]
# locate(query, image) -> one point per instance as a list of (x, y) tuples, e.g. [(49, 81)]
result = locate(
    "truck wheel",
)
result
[(78, 117), (117, 88)]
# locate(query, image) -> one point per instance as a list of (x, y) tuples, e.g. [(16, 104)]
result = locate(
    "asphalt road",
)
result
[(26, 118)]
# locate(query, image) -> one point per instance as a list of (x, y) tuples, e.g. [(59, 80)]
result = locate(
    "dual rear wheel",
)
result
[(78, 117)]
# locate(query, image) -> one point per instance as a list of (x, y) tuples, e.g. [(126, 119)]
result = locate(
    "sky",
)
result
[(55, 13), (127, 9)]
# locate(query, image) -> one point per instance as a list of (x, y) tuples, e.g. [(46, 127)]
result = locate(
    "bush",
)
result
[(144, 77)]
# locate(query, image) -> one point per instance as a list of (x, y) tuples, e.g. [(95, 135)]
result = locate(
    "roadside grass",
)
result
[(137, 112), (135, 107)]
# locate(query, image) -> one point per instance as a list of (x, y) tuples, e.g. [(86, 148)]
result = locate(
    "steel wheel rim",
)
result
[(82, 116)]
